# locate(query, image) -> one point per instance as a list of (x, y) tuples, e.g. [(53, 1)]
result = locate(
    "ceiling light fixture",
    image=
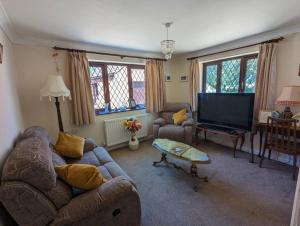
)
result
[(167, 46)]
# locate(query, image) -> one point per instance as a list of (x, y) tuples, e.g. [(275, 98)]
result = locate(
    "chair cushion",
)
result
[(31, 162), (172, 132), (180, 116), (69, 145), (83, 176)]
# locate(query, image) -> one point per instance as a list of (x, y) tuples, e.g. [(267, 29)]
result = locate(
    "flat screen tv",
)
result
[(226, 109)]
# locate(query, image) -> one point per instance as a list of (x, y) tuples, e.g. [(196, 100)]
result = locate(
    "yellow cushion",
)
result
[(180, 116), (69, 145), (82, 176)]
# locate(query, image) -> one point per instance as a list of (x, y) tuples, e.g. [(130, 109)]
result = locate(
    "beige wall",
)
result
[(10, 115), (34, 64)]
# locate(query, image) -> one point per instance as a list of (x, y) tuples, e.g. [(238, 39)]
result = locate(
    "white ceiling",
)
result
[(137, 24)]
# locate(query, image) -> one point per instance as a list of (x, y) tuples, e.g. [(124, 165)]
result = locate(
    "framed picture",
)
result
[(132, 103), (183, 78), (168, 78), (1, 53)]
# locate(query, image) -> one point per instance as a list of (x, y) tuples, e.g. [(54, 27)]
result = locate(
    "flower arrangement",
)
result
[(132, 125)]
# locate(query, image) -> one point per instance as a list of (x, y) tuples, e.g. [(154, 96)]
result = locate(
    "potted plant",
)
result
[(132, 126)]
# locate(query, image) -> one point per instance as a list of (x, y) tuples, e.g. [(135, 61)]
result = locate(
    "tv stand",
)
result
[(234, 134)]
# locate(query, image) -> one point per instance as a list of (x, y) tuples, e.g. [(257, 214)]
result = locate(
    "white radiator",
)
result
[(115, 133)]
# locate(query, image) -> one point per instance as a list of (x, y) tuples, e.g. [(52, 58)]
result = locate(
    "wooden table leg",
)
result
[(194, 173), (197, 135), (252, 151), (260, 142), (235, 142), (242, 141)]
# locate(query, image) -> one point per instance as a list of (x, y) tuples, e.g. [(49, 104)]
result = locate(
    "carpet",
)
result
[(238, 193)]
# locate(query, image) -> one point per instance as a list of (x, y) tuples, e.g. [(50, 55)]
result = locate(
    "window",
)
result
[(113, 85), (234, 75)]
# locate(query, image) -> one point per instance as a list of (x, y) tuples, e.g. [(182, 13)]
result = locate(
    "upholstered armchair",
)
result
[(163, 127)]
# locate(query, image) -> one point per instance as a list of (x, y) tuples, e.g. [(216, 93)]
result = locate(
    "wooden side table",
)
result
[(235, 135)]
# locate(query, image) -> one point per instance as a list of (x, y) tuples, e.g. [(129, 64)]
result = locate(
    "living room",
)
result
[(236, 191)]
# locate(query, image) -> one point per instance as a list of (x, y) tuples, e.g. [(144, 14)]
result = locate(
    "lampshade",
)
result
[(290, 95), (55, 87)]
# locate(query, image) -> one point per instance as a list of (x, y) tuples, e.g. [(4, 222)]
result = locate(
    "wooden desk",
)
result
[(234, 135), (261, 128)]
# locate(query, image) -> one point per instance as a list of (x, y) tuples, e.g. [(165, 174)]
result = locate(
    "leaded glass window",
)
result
[(115, 85), (230, 75)]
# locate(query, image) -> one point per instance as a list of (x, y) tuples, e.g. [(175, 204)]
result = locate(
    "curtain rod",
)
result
[(241, 47), (107, 54)]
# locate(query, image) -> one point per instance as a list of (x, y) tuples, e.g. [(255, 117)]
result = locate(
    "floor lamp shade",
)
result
[(55, 87)]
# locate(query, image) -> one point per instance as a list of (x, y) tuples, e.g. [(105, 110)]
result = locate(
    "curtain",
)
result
[(194, 83), (266, 79), (155, 90), (83, 109)]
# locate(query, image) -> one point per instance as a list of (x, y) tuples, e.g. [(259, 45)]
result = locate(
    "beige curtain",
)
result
[(83, 108), (194, 83), (266, 79), (155, 87)]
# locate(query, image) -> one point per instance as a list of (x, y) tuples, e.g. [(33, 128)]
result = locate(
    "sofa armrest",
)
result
[(111, 195), (159, 121), (89, 145), (188, 122)]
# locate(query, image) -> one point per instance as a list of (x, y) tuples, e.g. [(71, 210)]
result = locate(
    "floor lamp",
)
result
[(55, 87)]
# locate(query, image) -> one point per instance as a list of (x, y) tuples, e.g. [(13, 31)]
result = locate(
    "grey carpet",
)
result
[(238, 193)]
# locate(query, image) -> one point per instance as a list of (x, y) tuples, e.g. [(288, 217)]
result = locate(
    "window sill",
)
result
[(101, 112)]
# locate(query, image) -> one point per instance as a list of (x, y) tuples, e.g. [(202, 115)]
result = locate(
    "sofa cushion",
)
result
[(172, 132), (31, 162), (57, 160), (168, 116), (60, 195), (36, 131), (83, 176), (96, 157), (69, 145)]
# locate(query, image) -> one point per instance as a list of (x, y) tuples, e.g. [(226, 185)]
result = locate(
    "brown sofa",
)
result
[(163, 127), (33, 195)]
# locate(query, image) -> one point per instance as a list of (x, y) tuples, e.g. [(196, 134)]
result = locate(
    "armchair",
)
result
[(163, 126)]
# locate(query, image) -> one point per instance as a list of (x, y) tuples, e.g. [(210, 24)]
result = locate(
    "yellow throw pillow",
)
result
[(69, 145), (180, 116), (83, 176)]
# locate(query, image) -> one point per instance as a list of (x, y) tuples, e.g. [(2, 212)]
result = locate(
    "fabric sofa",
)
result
[(163, 126), (33, 195)]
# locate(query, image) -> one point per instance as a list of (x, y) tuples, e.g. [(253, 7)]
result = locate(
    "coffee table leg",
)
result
[(194, 173), (162, 159), (165, 160)]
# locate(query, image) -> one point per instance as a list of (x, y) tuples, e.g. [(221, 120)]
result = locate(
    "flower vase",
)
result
[(133, 143)]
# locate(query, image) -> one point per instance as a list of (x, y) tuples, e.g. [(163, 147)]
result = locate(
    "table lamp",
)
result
[(55, 87), (290, 96)]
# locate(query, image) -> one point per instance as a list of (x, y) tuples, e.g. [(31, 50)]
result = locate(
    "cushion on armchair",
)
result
[(180, 117)]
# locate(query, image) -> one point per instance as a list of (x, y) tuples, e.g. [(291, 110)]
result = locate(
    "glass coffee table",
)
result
[(181, 151)]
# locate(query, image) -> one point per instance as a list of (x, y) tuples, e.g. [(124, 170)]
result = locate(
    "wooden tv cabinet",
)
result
[(234, 134)]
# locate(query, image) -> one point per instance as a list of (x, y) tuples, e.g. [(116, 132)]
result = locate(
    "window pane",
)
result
[(230, 78), (211, 78), (97, 87), (118, 86), (138, 85), (250, 77)]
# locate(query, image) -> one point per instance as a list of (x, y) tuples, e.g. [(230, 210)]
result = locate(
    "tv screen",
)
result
[(226, 109)]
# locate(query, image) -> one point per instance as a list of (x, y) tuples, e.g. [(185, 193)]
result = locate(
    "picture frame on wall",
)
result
[(168, 78), (183, 78), (1, 53)]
